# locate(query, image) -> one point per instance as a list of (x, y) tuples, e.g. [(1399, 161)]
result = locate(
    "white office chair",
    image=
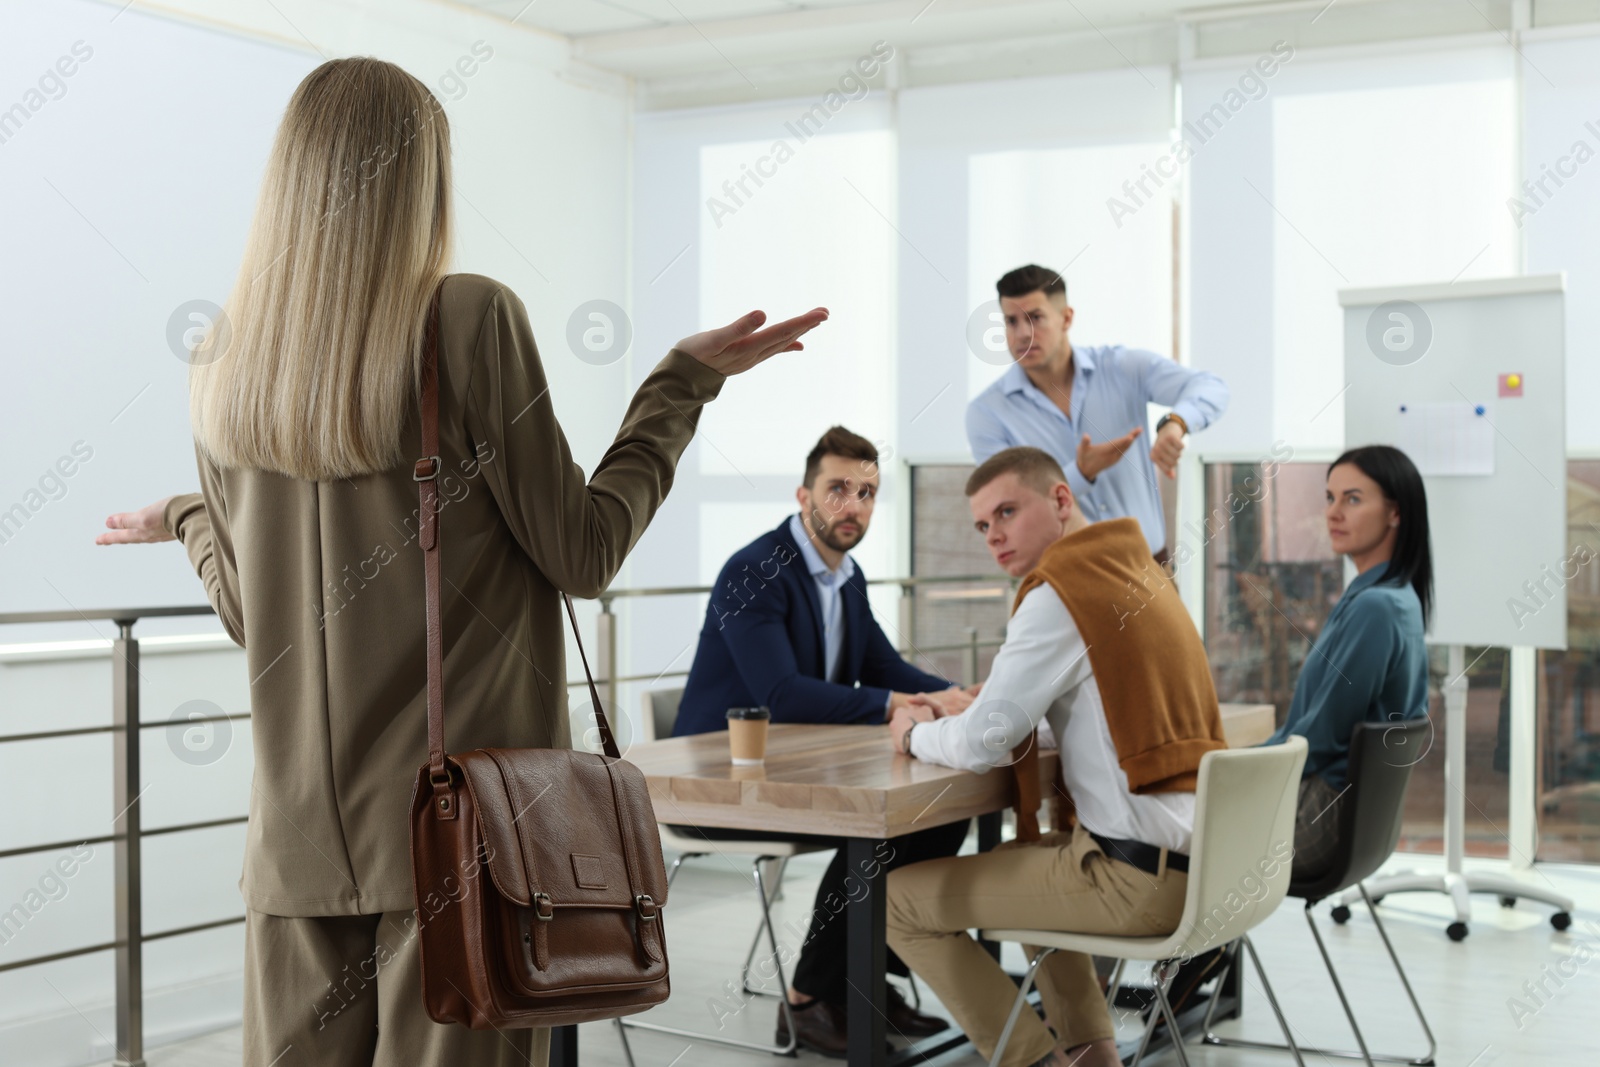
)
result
[(660, 707), (1243, 819)]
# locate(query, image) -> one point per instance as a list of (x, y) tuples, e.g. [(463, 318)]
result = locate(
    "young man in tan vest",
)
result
[(1101, 648)]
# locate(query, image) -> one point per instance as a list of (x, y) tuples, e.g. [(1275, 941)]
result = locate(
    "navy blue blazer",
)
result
[(762, 643)]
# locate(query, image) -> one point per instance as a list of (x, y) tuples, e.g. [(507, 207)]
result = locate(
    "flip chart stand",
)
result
[(1457, 883)]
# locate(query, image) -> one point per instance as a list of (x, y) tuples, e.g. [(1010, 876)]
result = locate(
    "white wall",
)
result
[(154, 154)]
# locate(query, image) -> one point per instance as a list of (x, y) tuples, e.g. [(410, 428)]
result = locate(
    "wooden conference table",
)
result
[(845, 781)]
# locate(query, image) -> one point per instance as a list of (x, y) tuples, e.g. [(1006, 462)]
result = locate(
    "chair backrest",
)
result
[(1381, 757), (1243, 844), (660, 712)]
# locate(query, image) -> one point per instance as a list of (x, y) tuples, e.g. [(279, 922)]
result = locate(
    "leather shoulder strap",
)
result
[(426, 475)]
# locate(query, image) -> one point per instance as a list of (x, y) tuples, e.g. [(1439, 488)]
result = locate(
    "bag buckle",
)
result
[(426, 470), (543, 908), (646, 906)]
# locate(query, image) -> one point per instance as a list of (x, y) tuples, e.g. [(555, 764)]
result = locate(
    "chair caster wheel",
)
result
[(1457, 931), (1508, 902), (1340, 913), (1561, 920)]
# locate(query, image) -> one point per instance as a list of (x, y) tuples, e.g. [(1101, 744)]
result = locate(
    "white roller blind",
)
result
[(1343, 172), (1559, 209), (998, 174)]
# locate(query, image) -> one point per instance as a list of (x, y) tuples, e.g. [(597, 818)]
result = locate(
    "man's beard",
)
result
[(833, 539)]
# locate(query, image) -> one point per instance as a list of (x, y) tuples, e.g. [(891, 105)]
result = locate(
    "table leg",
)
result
[(564, 1046), (989, 830), (989, 836), (866, 951)]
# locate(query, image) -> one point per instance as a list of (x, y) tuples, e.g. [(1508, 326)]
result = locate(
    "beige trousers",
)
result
[(1061, 882), (346, 991)]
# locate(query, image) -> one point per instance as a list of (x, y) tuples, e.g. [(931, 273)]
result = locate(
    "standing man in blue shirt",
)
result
[(1086, 406), (789, 627)]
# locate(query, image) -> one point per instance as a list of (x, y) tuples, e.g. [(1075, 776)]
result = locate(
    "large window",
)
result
[(1271, 580), (818, 232), (1569, 692), (1054, 208), (1378, 187)]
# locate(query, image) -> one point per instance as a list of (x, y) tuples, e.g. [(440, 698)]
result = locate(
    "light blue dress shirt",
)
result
[(1110, 387), (830, 587)]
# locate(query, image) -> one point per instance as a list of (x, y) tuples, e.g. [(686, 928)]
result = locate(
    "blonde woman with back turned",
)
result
[(306, 422)]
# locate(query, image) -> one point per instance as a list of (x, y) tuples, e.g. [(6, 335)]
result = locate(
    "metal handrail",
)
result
[(128, 834)]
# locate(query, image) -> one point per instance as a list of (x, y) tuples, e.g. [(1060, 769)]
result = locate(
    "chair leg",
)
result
[(1173, 1030), (777, 963), (627, 1049), (772, 895), (916, 993), (1433, 1046), (1338, 987), (1160, 977), (672, 872), (785, 1049), (1272, 999), (1017, 1006), (1209, 1037), (1114, 983), (777, 878)]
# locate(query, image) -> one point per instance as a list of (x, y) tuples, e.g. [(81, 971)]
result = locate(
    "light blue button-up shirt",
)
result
[(1110, 387), (830, 587)]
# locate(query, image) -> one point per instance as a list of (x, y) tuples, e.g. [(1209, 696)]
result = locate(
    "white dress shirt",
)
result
[(1042, 672)]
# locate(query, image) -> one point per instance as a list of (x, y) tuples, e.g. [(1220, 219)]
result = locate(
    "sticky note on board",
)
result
[(1448, 439), (1511, 384)]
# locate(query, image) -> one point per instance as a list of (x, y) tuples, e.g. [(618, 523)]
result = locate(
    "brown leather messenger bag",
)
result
[(538, 872)]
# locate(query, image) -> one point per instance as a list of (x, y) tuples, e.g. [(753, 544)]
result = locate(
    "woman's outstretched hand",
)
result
[(740, 345), (140, 527)]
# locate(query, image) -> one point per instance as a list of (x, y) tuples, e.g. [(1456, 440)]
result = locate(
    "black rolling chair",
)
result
[(1381, 758)]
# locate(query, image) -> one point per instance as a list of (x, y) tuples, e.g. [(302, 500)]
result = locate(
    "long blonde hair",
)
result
[(312, 366)]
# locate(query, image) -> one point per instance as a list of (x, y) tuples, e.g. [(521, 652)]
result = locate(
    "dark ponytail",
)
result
[(1397, 477)]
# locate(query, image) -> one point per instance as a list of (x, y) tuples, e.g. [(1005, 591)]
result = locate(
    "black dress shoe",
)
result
[(820, 1027), (907, 1020)]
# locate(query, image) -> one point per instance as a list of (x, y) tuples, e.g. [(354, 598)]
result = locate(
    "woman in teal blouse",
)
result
[(1369, 663)]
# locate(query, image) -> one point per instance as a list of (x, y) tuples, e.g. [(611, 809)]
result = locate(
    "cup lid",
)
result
[(749, 713)]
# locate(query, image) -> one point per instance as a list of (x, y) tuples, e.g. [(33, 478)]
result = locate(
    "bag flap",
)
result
[(573, 825)]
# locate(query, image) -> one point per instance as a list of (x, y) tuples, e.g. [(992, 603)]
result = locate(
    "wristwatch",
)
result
[(913, 726), (1172, 417)]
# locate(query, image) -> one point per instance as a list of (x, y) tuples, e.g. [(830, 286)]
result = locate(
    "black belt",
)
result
[(1145, 857)]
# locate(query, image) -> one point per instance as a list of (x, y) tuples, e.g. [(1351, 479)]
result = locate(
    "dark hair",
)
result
[(1034, 467), (839, 441), (1032, 279), (1397, 477)]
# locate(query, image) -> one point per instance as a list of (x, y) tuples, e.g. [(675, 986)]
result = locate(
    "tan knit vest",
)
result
[(1148, 660)]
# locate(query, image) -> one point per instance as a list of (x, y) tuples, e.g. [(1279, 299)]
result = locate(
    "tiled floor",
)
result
[(1471, 990)]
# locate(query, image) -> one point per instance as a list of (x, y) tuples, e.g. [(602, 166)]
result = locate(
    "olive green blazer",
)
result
[(321, 582)]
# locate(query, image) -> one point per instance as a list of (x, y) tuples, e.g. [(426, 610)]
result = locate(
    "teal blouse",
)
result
[(1368, 665)]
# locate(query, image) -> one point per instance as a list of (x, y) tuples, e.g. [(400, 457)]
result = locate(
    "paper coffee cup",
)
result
[(747, 735)]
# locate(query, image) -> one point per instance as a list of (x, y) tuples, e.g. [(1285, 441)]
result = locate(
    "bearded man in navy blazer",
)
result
[(789, 627)]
